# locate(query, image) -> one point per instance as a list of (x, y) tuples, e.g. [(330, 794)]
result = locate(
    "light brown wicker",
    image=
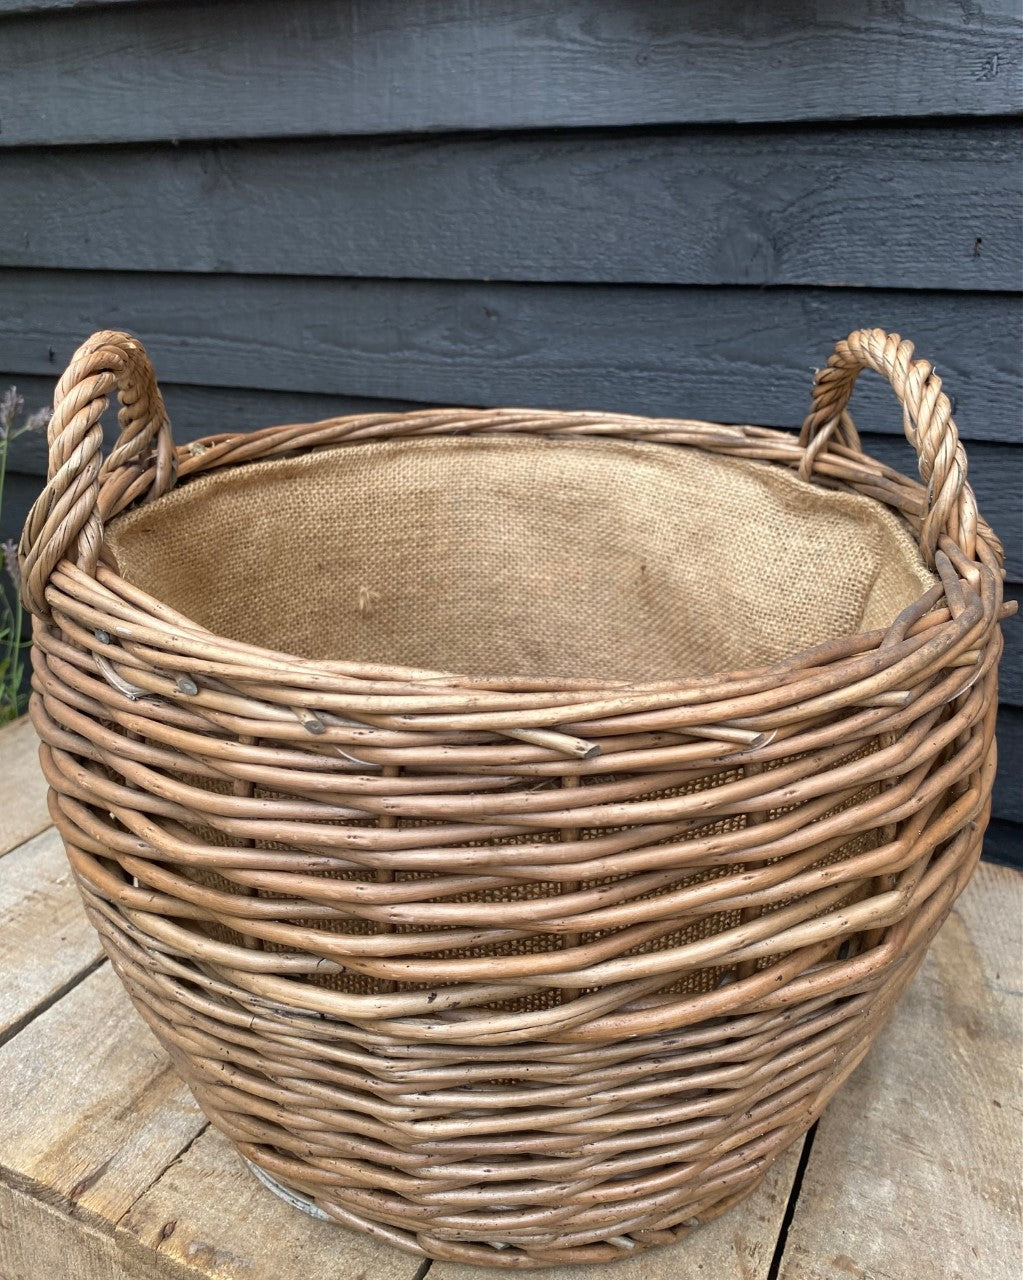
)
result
[(548, 961)]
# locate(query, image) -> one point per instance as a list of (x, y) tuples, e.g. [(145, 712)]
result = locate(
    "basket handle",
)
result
[(927, 420), (65, 519)]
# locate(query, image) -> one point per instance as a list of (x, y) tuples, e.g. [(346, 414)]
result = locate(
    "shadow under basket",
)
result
[(515, 824)]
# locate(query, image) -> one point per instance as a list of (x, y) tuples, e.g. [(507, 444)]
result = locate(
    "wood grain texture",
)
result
[(263, 1238), (385, 66), (704, 206), (915, 1167), (40, 1242), (93, 1111), (46, 943), (210, 1214), (737, 1246), (732, 355), (23, 811)]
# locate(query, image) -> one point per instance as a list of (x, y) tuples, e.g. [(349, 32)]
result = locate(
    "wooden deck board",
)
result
[(23, 811), (208, 1212), (43, 922), (93, 1110), (39, 1242), (108, 1170)]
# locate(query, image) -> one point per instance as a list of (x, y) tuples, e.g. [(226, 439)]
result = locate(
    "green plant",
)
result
[(12, 646)]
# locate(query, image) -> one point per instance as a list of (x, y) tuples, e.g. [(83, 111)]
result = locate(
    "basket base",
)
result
[(287, 1195)]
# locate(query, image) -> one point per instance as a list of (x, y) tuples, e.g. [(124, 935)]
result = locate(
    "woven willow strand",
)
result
[(511, 971)]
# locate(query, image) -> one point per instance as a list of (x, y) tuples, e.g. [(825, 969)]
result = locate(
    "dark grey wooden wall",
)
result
[(668, 208)]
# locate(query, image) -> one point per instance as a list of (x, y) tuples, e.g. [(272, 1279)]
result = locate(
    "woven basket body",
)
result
[(516, 825)]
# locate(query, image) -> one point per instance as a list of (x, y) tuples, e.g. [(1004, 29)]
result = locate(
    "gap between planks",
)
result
[(805, 1148)]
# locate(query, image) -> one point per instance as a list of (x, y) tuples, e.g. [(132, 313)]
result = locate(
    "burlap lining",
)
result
[(519, 555)]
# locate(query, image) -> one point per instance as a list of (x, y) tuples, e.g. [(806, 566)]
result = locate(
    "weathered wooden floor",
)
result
[(108, 1170)]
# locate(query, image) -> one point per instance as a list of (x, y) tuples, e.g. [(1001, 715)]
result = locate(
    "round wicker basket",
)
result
[(515, 824)]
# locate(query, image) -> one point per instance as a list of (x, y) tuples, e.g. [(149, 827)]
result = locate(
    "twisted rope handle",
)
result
[(927, 421), (65, 519)]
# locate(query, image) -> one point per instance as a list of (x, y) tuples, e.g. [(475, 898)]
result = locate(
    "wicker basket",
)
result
[(545, 961)]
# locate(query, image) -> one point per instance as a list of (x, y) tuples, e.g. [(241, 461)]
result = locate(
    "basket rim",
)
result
[(733, 707), (406, 673), (188, 472)]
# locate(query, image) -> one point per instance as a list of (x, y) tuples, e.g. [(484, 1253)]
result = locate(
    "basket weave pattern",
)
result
[(514, 971)]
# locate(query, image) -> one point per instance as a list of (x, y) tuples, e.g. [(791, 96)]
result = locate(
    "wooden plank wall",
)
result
[(329, 205)]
